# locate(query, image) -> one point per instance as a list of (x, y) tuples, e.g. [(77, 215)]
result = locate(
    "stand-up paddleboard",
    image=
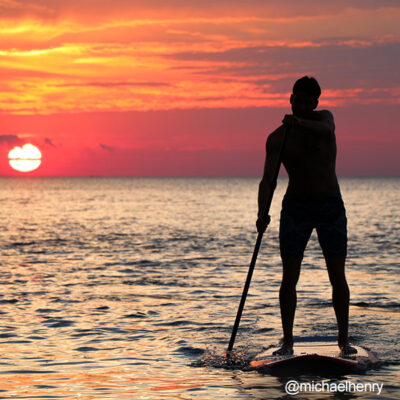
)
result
[(316, 356)]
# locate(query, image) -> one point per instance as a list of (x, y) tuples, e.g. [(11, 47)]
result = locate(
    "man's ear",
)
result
[(291, 99), (315, 104)]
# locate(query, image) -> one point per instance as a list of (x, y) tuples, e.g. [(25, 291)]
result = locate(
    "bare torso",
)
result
[(309, 159)]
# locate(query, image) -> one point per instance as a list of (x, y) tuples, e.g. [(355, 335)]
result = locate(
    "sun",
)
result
[(26, 158)]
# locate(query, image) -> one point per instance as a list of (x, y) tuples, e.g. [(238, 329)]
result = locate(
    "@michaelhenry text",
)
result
[(293, 387)]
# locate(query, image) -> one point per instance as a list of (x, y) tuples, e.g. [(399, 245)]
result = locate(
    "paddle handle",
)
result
[(245, 290), (258, 244)]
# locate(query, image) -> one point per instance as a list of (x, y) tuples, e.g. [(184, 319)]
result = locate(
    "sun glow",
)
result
[(25, 159)]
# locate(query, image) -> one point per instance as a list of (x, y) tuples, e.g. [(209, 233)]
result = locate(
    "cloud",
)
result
[(113, 84), (337, 66), (105, 147), (13, 8), (49, 142), (183, 8), (10, 140), (180, 54)]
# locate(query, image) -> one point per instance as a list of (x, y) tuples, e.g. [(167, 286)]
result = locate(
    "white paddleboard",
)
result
[(316, 355)]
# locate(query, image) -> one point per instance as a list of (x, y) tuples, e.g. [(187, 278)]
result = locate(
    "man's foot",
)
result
[(347, 350), (285, 350)]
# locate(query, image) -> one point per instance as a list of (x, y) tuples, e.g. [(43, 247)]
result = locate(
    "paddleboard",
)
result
[(318, 356)]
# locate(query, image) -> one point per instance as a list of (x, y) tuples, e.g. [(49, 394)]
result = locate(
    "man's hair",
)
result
[(307, 85)]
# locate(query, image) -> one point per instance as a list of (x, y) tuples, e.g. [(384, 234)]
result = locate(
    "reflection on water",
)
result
[(116, 288)]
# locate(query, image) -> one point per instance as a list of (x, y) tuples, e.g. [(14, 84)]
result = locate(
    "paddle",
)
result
[(258, 243)]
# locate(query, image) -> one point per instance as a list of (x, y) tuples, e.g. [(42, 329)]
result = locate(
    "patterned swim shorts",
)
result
[(299, 218)]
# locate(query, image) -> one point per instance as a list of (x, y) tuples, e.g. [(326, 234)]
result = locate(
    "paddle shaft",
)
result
[(258, 244)]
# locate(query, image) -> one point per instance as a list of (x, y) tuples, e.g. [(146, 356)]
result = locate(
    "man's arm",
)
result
[(322, 122), (265, 186)]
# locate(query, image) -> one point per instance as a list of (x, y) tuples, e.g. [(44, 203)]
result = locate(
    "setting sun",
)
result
[(25, 159)]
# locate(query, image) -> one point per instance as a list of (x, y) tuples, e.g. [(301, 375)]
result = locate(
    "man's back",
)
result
[(309, 158)]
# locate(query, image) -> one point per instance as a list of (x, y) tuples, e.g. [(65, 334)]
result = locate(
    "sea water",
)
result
[(127, 288)]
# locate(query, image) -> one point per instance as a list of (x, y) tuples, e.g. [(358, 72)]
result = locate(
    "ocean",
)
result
[(127, 288)]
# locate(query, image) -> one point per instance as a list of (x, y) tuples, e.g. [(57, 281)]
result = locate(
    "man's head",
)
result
[(304, 99)]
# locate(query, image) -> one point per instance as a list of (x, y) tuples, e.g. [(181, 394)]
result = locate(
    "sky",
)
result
[(193, 88)]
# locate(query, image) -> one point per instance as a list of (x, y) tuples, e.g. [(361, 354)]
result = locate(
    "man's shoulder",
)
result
[(275, 138), (276, 135), (324, 115)]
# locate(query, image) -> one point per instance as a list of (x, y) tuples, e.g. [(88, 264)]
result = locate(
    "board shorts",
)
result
[(299, 218)]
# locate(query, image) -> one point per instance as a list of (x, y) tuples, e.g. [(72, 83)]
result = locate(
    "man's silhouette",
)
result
[(312, 200)]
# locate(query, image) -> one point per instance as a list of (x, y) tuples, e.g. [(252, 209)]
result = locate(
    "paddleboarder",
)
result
[(312, 200)]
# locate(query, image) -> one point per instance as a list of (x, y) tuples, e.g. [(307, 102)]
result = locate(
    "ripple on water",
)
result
[(99, 293)]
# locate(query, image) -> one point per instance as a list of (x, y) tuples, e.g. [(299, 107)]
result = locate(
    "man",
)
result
[(312, 200)]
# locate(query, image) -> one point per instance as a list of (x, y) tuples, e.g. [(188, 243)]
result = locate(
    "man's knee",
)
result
[(288, 284), (336, 269), (338, 280), (291, 272), (339, 284)]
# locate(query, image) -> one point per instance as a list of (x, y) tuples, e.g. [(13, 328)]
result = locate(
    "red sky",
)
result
[(162, 87)]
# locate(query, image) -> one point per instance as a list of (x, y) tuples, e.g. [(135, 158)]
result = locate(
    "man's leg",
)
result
[(340, 300), (294, 232), (332, 236), (288, 300)]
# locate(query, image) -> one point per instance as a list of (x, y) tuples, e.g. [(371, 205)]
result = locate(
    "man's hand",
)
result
[(262, 223), (291, 121)]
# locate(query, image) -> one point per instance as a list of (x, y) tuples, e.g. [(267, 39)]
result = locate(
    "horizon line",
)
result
[(184, 176)]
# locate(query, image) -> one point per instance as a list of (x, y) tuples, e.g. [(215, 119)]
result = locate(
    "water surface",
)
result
[(127, 288)]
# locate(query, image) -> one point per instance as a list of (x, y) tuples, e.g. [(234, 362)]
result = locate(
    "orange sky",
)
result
[(193, 88)]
